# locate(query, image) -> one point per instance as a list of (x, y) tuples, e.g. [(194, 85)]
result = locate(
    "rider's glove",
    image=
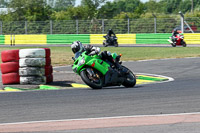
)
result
[(96, 49), (88, 48)]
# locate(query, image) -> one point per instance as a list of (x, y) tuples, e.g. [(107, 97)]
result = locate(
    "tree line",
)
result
[(42, 10)]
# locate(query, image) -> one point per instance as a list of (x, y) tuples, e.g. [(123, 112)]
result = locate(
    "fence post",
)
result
[(102, 26), (76, 26), (1, 27), (13, 39), (155, 23), (26, 27), (128, 25), (182, 21), (10, 39), (51, 27)]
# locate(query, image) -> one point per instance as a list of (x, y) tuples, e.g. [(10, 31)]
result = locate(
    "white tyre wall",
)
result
[(32, 53), (32, 80), (32, 62), (31, 71)]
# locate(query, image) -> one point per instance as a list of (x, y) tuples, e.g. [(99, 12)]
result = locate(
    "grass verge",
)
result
[(62, 55)]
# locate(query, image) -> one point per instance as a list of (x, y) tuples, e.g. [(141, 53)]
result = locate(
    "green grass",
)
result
[(62, 55)]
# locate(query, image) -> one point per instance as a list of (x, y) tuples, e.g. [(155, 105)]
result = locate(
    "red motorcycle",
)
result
[(179, 41)]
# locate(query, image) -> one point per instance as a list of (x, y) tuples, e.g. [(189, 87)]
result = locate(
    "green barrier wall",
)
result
[(68, 38), (148, 38), (2, 39), (158, 38)]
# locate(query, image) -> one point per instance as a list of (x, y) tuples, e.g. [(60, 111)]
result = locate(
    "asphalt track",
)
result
[(180, 96)]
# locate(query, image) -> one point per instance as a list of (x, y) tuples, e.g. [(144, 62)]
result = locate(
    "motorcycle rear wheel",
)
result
[(94, 82), (184, 44), (130, 78)]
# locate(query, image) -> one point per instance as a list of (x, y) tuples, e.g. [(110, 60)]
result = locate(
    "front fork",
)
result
[(90, 72)]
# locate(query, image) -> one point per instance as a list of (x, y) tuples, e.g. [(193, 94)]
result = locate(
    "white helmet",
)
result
[(77, 46)]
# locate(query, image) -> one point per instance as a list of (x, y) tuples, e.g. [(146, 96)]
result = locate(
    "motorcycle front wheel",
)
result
[(130, 78), (116, 44), (173, 45), (105, 44), (94, 81)]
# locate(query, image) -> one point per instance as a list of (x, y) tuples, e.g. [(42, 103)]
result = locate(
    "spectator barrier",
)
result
[(62, 39)]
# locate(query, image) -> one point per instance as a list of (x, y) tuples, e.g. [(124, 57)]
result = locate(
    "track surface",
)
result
[(179, 96)]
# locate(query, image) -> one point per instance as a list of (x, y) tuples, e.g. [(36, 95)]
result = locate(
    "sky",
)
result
[(79, 1)]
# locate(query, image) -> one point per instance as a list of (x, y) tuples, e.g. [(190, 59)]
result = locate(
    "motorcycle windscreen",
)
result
[(77, 54)]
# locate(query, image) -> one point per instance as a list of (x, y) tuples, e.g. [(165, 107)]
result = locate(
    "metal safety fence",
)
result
[(99, 26)]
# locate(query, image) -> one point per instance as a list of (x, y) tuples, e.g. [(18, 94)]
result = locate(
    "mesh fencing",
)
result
[(194, 23), (98, 26)]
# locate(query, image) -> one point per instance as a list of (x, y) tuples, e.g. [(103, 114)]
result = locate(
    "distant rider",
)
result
[(78, 48), (174, 34), (109, 35)]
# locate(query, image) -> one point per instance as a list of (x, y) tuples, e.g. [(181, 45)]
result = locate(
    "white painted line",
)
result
[(100, 118), (166, 59), (61, 66), (69, 72)]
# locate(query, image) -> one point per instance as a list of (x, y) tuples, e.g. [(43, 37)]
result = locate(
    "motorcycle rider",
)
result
[(174, 34), (109, 35), (78, 48)]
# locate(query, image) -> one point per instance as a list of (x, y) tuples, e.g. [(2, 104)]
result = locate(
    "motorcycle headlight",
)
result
[(82, 62)]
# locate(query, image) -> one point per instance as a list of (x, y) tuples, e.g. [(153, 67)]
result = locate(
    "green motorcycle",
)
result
[(98, 73)]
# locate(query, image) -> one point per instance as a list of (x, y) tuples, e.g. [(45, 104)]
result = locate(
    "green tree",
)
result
[(91, 7), (3, 3), (72, 13), (185, 6), (140, 9), (131, 5), (31, 10), (196, 5), (51, 3), (63, 4), (92, 3), (171, 6), (110, 10), (152, 6)]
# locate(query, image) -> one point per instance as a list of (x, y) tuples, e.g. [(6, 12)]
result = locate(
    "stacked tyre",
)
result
[(34, 67), (10, 67)]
